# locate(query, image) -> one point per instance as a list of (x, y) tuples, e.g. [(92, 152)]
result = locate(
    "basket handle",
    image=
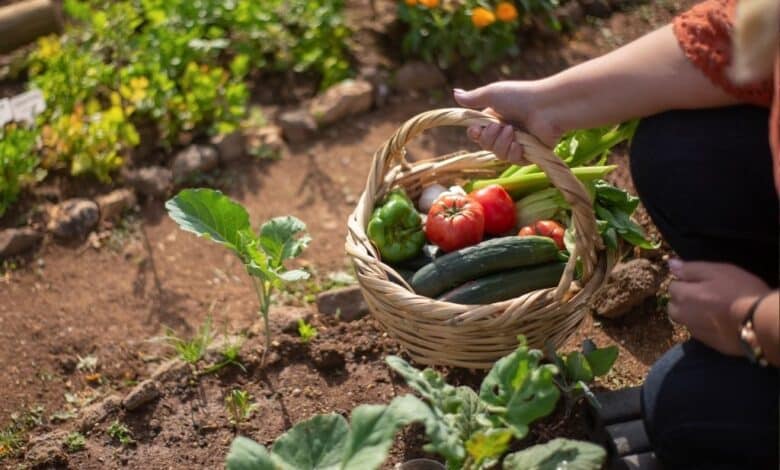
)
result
[(587, 239)]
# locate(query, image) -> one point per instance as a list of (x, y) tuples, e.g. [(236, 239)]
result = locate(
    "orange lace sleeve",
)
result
[(704, 34)]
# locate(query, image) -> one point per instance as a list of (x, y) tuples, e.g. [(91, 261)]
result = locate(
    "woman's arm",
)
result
[(647, 76)]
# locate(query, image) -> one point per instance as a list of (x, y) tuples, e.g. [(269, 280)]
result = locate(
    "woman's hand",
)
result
[(710, 298), (512, 102)]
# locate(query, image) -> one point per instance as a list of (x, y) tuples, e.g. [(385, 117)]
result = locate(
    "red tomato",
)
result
[(455, 221), (545, 228), (500, 215)]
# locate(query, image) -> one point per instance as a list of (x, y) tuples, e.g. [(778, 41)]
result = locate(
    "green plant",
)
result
[(120, 433), (18, 162), (231, 355), (476, 31), (306, 331), (192, 350), (211, 214), (11, 441), (578, 369), (75, 442), (239, 406)]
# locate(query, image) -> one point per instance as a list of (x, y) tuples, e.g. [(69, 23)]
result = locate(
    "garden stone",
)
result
[(417, 75), (142, 394), (153, 181), (297, 125), (348, 98), (113, 204), (97, 412), (74, 218), (348, 303), (266, 141), (628, 286), (14, 241), (46, 451), (194, 159), (288, 319), (230, 147)]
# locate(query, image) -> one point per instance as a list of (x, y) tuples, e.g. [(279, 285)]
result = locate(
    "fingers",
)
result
[(499, 139), (503, 142), (515, 154), (476, 99), (692, 271)]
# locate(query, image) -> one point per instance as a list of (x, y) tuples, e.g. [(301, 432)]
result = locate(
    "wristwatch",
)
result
[(748, 337)]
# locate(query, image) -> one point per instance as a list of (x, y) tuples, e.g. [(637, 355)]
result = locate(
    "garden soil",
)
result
[(110, 297)]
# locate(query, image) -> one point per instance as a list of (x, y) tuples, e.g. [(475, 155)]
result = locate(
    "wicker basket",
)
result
[(475, 336)]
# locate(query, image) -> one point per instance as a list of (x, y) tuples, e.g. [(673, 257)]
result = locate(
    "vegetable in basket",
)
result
[(522, 184), (500, 216), (545, 228), (396, 228), (455, 221)]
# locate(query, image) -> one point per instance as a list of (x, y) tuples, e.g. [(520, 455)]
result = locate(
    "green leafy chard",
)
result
[(557, 454), (211, 214)]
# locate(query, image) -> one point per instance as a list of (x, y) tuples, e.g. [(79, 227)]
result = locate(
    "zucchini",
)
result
[(488, 257), (506, 285)]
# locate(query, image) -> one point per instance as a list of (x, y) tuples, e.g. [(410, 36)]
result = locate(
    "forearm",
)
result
[(645, 77)]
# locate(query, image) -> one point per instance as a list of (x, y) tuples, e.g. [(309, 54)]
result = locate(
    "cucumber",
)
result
[(488, 257), (506, 285)]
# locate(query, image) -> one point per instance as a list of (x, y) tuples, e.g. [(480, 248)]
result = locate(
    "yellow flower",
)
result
[(429, 3), (482, 17), (506, 12), (410, 3)]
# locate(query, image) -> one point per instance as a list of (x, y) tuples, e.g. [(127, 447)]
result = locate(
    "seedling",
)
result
[(75, 442), (239, 406), (120, 433), (231, 352), (211, 214), (11, 440), (306, 331), (578, 369), (192, 350)]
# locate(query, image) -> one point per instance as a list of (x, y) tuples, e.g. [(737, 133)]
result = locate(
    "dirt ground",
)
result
[(71, 301)]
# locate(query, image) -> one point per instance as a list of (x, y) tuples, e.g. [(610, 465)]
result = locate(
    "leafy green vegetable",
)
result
[(614, 207), (18, 162), (556, 455), (211, 214), (582, 147), (578, 369)]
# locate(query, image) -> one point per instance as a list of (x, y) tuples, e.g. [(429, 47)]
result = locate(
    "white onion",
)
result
[(429, 195)]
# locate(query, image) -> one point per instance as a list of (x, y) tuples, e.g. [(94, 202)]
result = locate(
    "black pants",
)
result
[(705, 177)]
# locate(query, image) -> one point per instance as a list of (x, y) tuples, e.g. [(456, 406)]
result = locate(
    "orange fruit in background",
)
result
[(430, 3), (482, 17), (506, 12)]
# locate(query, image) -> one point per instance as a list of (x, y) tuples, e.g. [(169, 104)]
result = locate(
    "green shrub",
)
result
[(18, 162)]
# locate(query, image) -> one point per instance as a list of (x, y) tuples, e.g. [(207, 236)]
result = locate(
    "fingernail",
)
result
[(459, 91), (675, 265)]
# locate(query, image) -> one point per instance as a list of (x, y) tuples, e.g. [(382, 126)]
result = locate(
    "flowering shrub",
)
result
[(476, 31)]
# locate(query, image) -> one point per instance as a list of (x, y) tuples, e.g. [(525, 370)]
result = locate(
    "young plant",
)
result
[(577, 370), (306, 331), (120, 433), (231, 355), (239, 406), (211, 214), (75, 442), (18, 162), (11, 441), (192, 350)]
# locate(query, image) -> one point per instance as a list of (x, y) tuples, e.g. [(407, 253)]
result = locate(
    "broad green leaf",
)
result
[(558, 454), (601, 359), (373, 428), (294, 275), (283, 238), (246, 454), (577, 367), (209, 213), (486, 446), (315, 444)]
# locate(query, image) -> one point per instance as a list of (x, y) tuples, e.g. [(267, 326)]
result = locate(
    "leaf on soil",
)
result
[(558, 453)]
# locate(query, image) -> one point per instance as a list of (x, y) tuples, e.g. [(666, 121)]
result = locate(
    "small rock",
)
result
[(628, 285), (230, 147), (113, 204), (74, 218), (327, 355), (346, 302), (417, 75), (46, 451), (142, 394), (597, 8), (171, 371), (14, 241), (194, 159), (97, 412), (153, 181), (265, 141), (348, 98), (297, 125)]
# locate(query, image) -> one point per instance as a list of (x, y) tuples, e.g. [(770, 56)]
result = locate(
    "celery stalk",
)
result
[(519, 185)]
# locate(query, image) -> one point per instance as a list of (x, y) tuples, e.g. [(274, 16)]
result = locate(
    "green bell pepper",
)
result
[(396, 228)]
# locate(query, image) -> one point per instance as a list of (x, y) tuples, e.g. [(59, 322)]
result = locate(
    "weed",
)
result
[(306, 331), (239, 406), (231, 355), (75, 442), (121, 433), (11, 440), (192, 350)]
